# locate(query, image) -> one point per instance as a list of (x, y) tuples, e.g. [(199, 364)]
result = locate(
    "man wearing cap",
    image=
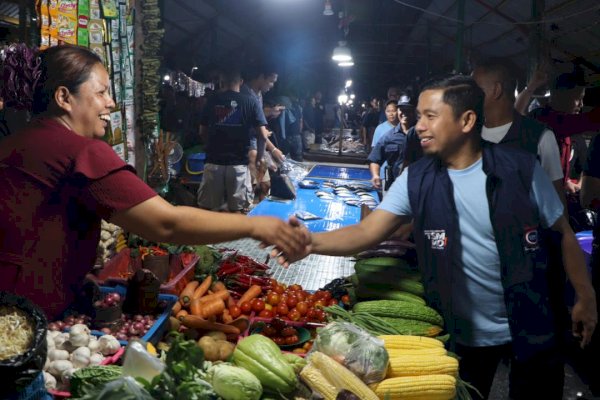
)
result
[(389, 151)]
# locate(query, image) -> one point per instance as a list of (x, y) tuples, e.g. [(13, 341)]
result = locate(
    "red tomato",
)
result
[(273, 282), (246, 307), (266, 314), (269, 331), (258, 305), (288, 331), (310, 314), (278, 340), (301, 295), (294, 315), (346, 299), (278, 289), (295, 287), (235, 311), (292, 301), (326, 295), (320, 316), (282, 309), (273, 298), (320, 303), (302, 307), (332, 302), (291, 339)]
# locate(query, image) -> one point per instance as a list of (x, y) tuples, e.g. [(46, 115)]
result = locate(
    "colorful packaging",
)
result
[(83, 20), (67, 21), (109, 9), (95, 9), (53, 13), (116, 126)]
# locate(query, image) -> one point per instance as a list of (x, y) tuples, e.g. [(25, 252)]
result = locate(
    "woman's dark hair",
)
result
[(65, 65), (461, 93)]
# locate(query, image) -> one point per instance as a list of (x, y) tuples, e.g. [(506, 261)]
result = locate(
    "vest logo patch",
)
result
[(531, 239), (438, 238)]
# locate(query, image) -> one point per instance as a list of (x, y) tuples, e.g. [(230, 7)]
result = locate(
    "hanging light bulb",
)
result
[(328, 10), (341, 53)]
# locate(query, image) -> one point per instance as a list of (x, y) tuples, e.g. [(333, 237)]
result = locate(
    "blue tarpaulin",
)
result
[(333, 172)]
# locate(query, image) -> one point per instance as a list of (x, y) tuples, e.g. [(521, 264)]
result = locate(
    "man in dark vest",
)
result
[(479, 213)]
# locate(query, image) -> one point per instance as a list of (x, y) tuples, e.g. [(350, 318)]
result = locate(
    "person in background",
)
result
[(481, 256), (319, 117), (391, 113), (370, 120), (393, 94), (225, 125), (388, 153), (58, 179), (590, 199)]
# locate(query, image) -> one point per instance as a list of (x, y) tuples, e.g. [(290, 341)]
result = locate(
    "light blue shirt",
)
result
[(478, 296), (381, 130)]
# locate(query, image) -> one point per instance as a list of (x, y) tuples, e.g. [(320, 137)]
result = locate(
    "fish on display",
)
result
[(366, 197), (328, 184), (346, 195), (352, 202)]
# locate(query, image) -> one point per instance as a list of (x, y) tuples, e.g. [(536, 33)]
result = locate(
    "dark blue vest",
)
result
[(516, 223), (524, 133)]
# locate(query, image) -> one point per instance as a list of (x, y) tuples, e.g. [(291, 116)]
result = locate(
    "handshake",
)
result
[(291, 241)]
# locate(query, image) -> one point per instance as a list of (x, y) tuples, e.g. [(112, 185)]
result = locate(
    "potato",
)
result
[(216, 335), (209, 347), (225, 349)]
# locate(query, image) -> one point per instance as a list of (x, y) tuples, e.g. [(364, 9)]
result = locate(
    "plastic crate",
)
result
[(160, 325), (119, 268), (35, 391)]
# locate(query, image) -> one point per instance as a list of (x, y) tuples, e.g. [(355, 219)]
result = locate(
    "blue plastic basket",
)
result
[(194, 166), (35, 391), (160, 325)]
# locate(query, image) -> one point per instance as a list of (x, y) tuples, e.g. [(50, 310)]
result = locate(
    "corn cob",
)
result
[(413, 327), (318, 383), (409, 342), (400, 309), (425, 387), (340, 376), (433, 351), (416, 365)]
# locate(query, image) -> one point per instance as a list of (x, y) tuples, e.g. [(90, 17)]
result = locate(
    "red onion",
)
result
[(121, 336), (53, 326), (138, 326), (133, 332), (138, 317), (60, 325)]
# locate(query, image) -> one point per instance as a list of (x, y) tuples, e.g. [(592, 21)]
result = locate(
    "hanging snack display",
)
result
[(106, 28)]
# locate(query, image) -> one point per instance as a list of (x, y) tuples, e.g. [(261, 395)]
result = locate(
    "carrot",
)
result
[(176, 308), (193, 321), (181, 314), (227, 318), (252, 292), (212, 308), (196, 307), (218, 286), (224, 295), (241, 323), (202, 288), (186, 294)]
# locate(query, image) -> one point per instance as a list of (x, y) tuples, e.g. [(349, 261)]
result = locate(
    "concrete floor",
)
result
[(574, 388)]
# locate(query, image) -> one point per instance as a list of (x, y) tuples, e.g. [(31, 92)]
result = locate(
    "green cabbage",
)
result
[(234, 383)]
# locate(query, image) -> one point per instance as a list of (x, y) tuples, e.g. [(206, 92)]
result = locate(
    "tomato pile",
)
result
[(288, 302), (284, 335)]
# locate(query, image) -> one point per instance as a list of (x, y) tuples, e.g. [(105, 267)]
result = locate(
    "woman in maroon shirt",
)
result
[(58, 180)]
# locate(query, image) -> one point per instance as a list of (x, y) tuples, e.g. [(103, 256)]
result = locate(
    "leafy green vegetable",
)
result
[(124, 388), (88, 379), (183, 377), (233, 383)]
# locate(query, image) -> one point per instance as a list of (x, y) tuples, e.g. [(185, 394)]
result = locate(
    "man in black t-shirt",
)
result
[(226, 124)]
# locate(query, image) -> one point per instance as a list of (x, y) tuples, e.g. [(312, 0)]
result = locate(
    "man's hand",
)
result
[(538, 79), (584, 318), (291, 240), (278, 155), (572, 187), (376, 181)]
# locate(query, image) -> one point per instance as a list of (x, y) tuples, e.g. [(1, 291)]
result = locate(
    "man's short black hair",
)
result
[(505, 71), (461, 93)]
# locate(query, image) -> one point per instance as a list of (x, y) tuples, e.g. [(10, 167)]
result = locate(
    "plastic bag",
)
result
[(125, 388), (354, 348), (24, 368)]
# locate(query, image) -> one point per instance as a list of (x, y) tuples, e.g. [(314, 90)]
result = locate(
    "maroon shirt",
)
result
[(55, 186)]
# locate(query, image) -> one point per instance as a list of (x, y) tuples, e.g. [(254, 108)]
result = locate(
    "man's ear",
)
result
[(497, 90), (468, 120), (62, 97)]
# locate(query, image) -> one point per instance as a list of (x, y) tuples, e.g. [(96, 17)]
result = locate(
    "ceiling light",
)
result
[(328, 10), (345, 64), (341, 53), (167, 78), (342, 98), (348, 83)]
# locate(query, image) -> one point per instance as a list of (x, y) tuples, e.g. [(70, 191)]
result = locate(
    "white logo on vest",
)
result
[(438, 238)]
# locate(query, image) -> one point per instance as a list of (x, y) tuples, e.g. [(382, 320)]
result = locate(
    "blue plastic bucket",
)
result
[(194, 166)]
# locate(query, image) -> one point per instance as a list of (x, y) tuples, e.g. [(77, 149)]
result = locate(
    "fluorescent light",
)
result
[(352, 96), (167, 78), (348, 83), (341, 53), (328, 10), (344, 64)]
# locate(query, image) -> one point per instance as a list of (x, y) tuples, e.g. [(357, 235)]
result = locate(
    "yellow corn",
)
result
[(341, 377), (318, 383), (435, 351), (426, 387), (414, 365), (410, 342)]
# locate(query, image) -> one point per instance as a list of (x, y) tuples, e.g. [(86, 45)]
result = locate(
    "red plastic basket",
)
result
[(119, 268)]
